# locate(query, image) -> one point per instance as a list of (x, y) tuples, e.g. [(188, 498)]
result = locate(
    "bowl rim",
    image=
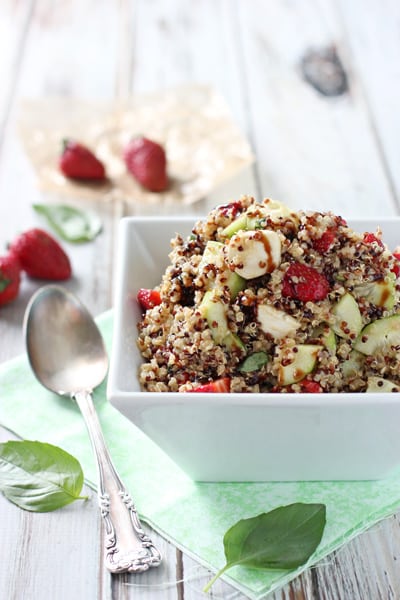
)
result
[(284, 400)]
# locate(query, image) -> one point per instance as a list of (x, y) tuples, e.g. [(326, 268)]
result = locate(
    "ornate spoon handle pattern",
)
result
[(127, 546)]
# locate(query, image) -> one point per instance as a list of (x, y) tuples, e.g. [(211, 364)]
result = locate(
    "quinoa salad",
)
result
[(263, 299)]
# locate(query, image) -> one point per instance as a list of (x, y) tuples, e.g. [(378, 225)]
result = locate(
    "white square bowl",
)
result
[(243, 437)]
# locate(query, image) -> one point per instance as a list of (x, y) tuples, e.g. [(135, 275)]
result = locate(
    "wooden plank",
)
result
[(374, 47), (56, 555), (74, 536), (364, 568), (46, 68), (56, 543), (313, 151), (14, 22), (72, 50), (183, 45), (160, 583), (197, 576)]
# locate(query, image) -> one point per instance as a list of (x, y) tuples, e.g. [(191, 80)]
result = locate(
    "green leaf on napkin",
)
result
[(72, 224), (39, 477), (283, 538)]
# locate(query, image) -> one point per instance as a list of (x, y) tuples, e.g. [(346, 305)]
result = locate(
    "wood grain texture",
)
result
[(312, 151), (374, 44), (15, 20)]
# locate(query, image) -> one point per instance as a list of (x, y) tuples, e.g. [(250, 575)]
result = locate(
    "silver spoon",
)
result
[(67, 354)]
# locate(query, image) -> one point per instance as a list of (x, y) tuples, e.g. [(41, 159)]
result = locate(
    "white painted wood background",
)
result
[(312, 151)]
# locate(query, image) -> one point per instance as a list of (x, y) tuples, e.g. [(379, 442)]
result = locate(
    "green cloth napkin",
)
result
[(194, 516)]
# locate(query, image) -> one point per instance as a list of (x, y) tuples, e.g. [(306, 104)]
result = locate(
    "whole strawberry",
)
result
[(41, 256), (10, 278), (304, 283), (147, 162), (78, 162)]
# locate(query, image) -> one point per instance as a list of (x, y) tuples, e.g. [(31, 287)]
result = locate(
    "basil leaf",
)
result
[(39, 477), (260, 223), (72, 224), (254, 362), (283, 538)]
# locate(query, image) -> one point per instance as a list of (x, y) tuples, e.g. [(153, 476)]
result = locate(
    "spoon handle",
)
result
[(127, 546)]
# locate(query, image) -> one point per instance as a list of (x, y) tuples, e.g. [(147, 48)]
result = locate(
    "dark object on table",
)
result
[(323, 69)]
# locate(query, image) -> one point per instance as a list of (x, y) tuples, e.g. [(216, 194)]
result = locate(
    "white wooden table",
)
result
[(313, 151)]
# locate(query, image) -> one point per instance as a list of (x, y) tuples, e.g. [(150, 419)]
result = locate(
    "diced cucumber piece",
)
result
[(213, 255), (379, 336), (348, 320), (352, 366), (327, 337), (235, 283), (233, 342), (214, 310), (267, 209), (239, 224), (380, 293), (378, 384), (276, 322), (303, 363)]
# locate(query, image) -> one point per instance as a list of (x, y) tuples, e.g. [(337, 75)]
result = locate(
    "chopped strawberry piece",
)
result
[(232, 209), (310, 387), (326, 241), (218, 386), (396, 268), (369, 238), (304, 283), (148, 298)]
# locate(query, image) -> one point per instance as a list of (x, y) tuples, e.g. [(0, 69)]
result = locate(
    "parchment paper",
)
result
[(204, 147)]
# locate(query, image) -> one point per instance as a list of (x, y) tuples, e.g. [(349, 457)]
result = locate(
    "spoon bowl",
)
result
[(65, 347), (67, 354)]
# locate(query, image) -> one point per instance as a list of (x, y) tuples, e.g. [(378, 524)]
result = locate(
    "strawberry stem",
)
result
[(64, 144), (4, 283)]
